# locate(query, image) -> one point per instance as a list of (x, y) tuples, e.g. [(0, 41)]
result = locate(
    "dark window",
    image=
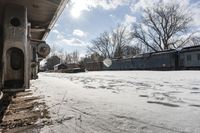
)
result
[(17, 59), (198, 56), (189, 57)]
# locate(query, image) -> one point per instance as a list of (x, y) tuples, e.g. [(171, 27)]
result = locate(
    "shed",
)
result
[(60, 66)]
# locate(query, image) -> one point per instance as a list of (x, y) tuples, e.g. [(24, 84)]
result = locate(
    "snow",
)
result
[(121, 101)]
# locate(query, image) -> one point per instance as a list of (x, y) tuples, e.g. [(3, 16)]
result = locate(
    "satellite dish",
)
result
[(107, 62)]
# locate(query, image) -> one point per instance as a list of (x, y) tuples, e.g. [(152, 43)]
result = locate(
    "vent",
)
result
[(15, 22)]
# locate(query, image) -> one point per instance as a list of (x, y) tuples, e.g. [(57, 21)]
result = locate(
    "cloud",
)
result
[(186, 5), (55, 31), (86, 5), (195, 10), (61, 40), (56, 25), (72, 42), (143, 4), (128, 19), (115, 19), (59, 36), (79, 33)]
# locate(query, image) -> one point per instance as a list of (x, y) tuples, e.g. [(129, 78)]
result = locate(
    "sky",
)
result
[(83, 20)]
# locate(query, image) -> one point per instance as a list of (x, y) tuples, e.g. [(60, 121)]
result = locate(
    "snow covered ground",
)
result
[(121, 101)]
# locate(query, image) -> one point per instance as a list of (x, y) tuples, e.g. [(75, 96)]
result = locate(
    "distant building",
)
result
[(73, 65), (93, 66), (68, 68), (60, 66), (51, 62)]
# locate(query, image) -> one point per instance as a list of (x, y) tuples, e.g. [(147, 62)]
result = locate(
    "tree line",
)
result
[(161, 28), (59, 56)]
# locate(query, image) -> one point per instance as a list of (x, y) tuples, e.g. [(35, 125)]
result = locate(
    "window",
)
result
[(198, 56), (189, 58)]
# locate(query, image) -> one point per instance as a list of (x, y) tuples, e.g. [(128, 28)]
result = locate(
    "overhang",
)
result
[(42, 14)]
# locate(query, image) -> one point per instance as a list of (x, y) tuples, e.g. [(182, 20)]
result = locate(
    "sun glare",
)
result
[(75, 13), (78, 7)]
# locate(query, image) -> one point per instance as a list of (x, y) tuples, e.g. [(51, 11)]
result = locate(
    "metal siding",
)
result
[(194, 60)]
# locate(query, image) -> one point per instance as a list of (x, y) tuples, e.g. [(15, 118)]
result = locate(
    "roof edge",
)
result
[(57, 14)]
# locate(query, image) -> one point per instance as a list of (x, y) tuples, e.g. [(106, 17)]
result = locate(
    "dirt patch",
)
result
[(22, 114), (26, 93)]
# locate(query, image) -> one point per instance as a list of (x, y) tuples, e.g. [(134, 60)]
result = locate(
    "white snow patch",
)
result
[(122, 101)]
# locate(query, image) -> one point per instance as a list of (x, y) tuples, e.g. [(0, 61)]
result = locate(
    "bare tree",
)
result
[(121, 38), (72, 57), (112, 45), (130, 51), (195, 40), (163, 27), (53, 49), (61, 54), (75, 56), (68, 58), (102, 45)]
